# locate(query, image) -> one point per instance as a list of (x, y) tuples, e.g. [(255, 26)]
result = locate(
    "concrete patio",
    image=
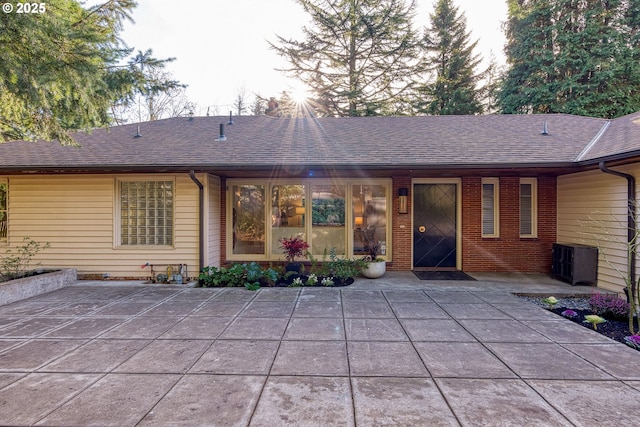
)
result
[(391, 351)]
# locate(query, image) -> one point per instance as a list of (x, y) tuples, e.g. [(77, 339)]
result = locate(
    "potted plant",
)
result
[(293, 247), (375, 265)]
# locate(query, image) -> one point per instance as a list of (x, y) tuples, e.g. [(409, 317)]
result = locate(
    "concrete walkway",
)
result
[(392, 351)]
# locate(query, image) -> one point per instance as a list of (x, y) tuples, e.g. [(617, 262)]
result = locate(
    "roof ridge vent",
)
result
[(545, 129), (222, 136), (138, 134)]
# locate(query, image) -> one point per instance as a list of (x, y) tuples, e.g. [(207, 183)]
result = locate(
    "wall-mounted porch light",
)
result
[(359, 221), (403, 204)]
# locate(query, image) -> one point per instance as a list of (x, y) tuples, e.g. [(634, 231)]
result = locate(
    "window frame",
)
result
[(118, 212), (495, 182), (271, 254), (533, 182)]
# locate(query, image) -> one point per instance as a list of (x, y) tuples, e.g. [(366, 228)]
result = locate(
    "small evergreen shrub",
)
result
[(609, 306)]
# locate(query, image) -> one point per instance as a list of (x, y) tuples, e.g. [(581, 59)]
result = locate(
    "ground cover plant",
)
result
[(587, 311), (334, 271)]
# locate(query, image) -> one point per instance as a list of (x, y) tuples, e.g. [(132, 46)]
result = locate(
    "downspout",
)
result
[(192, 174), (631, 224)]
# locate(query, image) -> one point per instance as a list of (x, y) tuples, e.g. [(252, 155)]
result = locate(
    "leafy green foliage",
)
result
[(60, 70), (357, 57), (252, 276), (449, 55), (15, 264), (343, 268), (570, 56)]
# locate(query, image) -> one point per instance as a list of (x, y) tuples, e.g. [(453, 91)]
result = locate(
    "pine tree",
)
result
[(450, 57), (357, 57), (61, 70), (572, 56)]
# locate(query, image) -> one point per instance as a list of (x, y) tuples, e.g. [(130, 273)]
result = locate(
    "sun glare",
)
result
[(299, 94)]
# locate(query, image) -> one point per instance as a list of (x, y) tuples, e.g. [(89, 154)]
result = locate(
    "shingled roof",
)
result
[(260, 142)]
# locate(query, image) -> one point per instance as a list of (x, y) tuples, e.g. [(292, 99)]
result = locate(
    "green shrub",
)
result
[(343, 268), (251, 276), (15, 265)]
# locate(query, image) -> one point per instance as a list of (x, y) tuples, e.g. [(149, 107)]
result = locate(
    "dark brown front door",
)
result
[(434, 225)]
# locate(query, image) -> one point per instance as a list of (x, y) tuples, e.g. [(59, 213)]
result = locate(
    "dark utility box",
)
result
[(573, 263)]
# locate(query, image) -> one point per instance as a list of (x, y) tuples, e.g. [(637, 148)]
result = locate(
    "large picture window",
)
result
[(330, 215), (3, 210), (146, 212), (328, 219), (369, 218), (247, 219)]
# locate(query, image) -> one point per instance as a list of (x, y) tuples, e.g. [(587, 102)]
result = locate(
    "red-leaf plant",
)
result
[(293, 247)]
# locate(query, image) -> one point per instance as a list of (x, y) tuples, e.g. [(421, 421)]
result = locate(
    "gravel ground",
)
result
[(574, 303)]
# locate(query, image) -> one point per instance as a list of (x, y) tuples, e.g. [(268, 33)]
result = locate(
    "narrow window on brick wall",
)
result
[(490, 207), (528, 207)]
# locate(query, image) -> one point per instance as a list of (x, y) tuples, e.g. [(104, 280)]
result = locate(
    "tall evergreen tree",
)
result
[(450, 58), (357, 57), (60, 69), (572, 56)]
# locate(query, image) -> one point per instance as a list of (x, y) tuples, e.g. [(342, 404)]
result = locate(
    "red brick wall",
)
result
[(402, 233), (508, 252), (504, 254)]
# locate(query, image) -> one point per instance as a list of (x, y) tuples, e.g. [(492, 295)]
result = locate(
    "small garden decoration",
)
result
[(569, 313)]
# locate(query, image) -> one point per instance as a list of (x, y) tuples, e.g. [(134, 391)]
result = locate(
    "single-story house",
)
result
[(474, 193)]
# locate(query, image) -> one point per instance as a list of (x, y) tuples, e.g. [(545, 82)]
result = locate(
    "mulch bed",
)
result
[(612, 328)]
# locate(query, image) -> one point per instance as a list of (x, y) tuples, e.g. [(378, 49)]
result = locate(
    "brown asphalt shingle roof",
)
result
[(258, 141)]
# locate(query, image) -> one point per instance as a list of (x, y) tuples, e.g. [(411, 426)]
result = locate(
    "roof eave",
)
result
[(213, 168)]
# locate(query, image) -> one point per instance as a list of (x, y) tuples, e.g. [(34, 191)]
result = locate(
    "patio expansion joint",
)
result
[(71, 397), (431, 377), (269, 375)]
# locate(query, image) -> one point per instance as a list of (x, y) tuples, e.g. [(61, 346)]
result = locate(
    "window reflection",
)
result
[(248, 219), (287, 213), (369, 217), (328, 219)]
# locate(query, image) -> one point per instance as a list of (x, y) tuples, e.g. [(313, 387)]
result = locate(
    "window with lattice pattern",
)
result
[(146, 212)]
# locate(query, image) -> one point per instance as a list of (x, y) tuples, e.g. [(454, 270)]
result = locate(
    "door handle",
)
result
[(422, 229)]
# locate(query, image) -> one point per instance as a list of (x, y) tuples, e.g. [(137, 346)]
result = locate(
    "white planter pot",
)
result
[(374, 270)]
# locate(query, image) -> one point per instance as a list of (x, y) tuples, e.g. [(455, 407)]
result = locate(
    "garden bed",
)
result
[(36, 284), (615, 328)]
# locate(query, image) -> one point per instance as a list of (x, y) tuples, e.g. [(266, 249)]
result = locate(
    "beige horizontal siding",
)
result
[(212, 220), (592, 210), (76, 215)]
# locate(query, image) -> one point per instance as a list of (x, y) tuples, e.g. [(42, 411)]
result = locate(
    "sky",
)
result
[(221, 46)]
